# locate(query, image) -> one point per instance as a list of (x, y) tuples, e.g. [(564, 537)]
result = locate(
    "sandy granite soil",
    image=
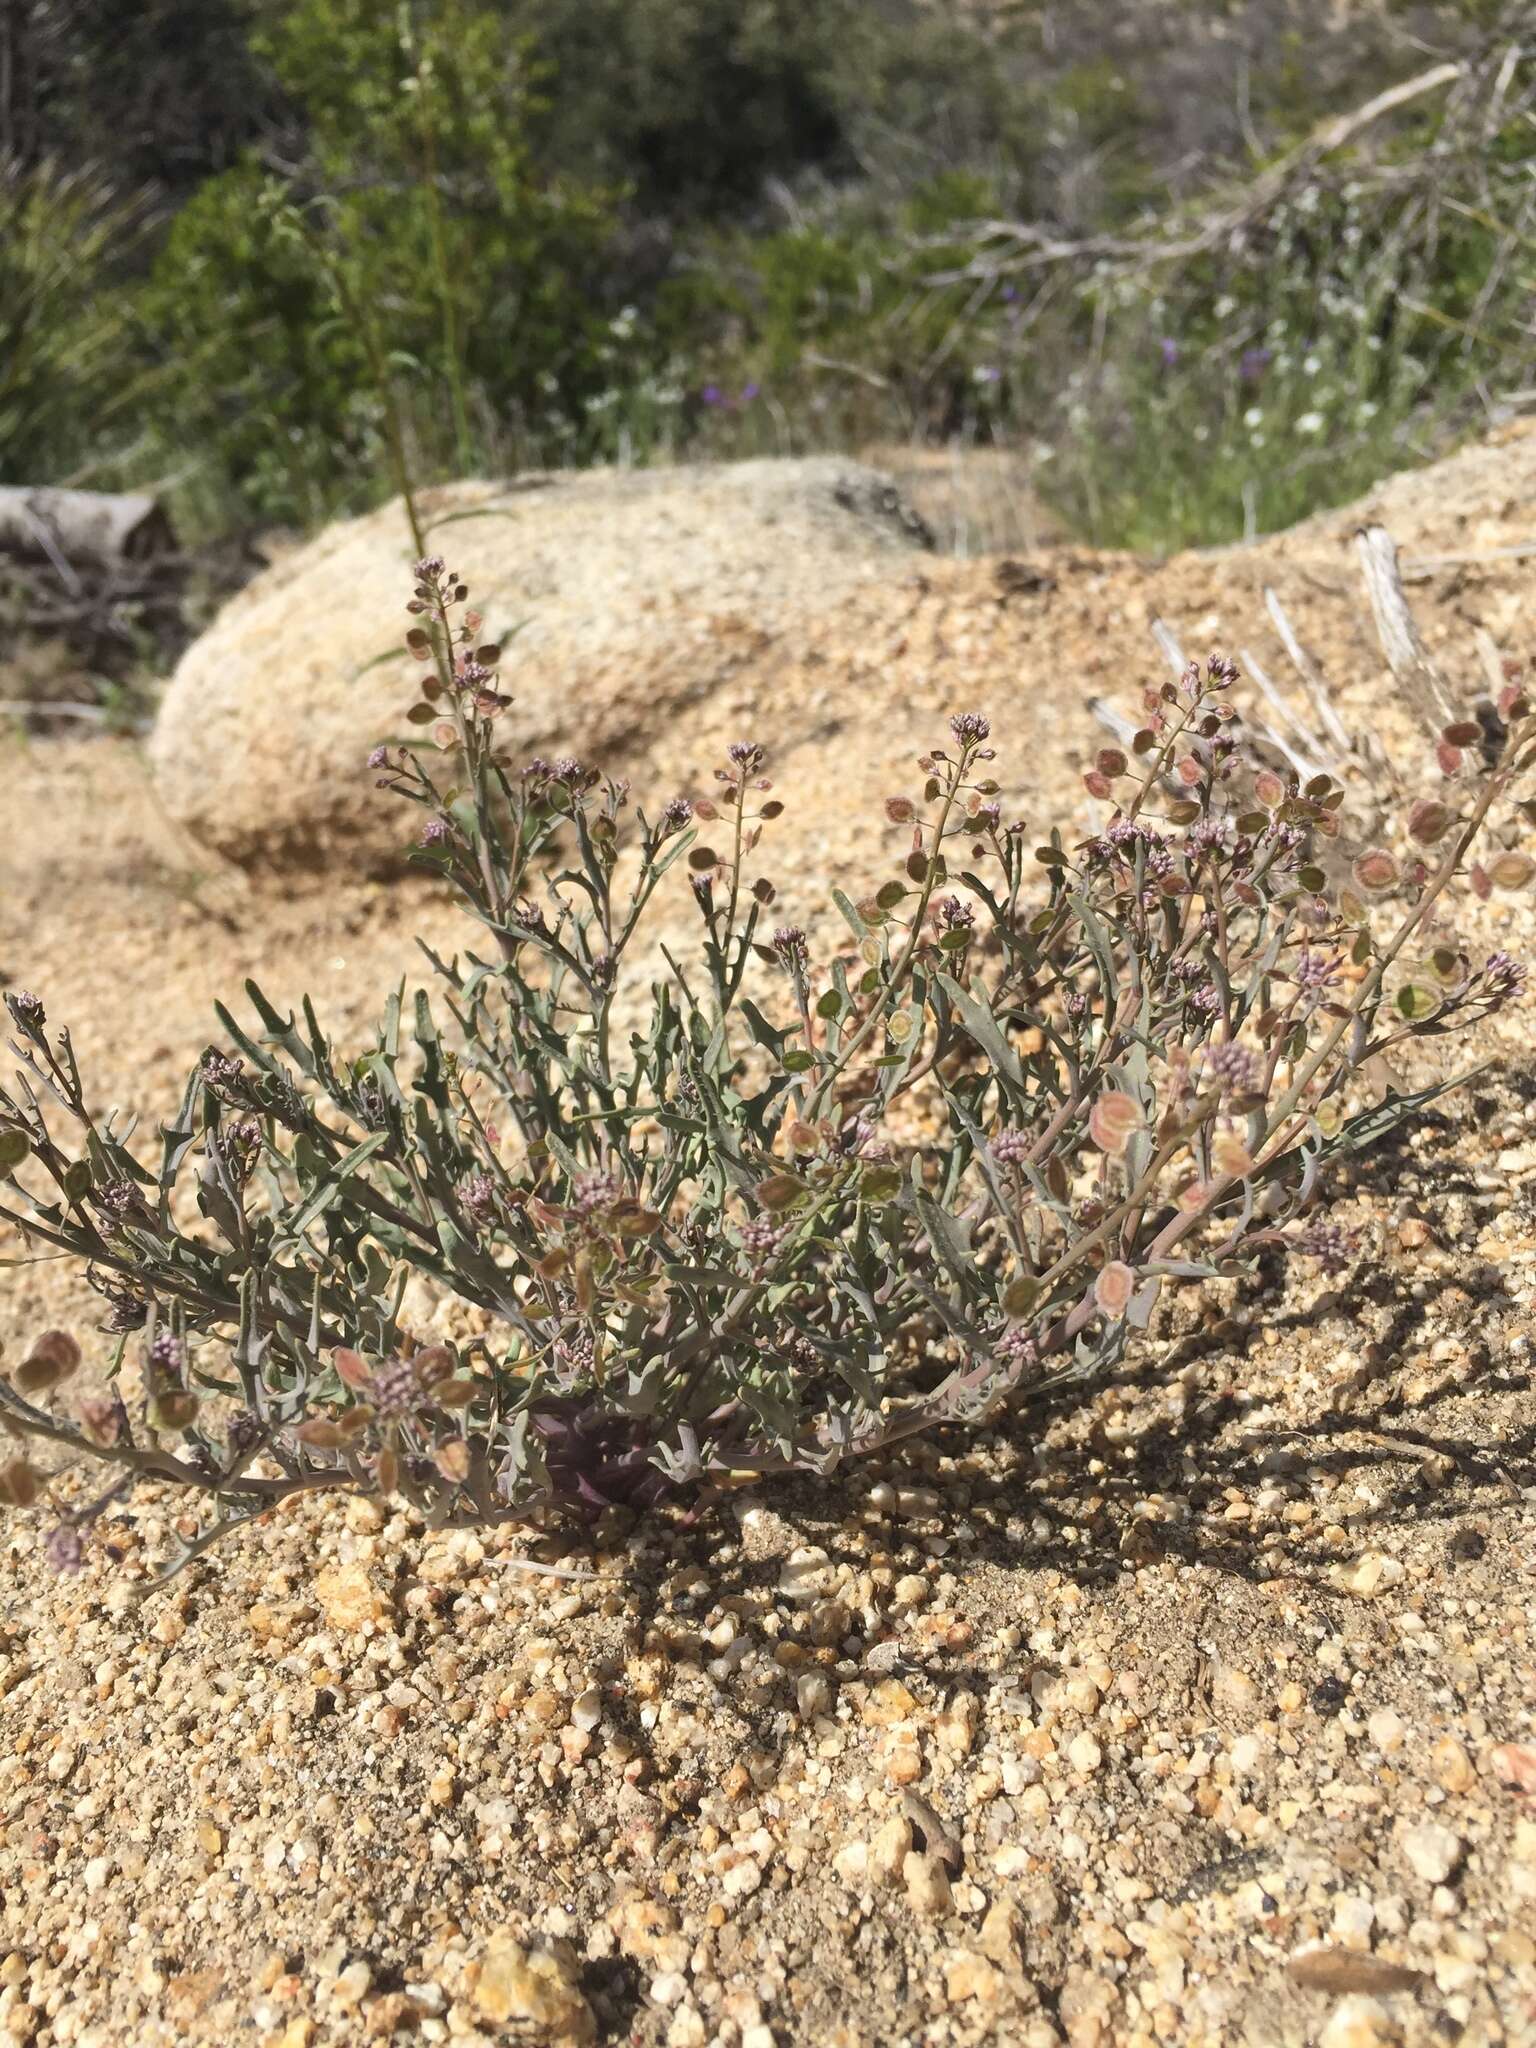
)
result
[(1204, 1713)]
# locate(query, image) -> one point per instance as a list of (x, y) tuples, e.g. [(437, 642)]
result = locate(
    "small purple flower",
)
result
[(869, 1144), (595, 1192), (1503, 977), (747, 755), (1009, 294), (762, 1239), (429, 568), (956, 915), (575, 1356), (27, 1009), (1235, 1069), (395, 1391), (1329, 1243), (970, 728), (749, 392), (379, 758), (434, 832), (64, 1550), (477, 1196), (1168, 349), (129, 1306), (676, 815), (712, 395), (1012, 1147), (789, 942), (222, 1072), (1316, 973), (168, 1355), (473, 675), (1017, 1349), (238, 1146), (1206, 835), (1253, 363)]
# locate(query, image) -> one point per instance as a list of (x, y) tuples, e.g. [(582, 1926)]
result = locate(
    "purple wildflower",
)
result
[(167, 1354), (1168, 349), (64, 1550), (238, 1146), (789, 943), (575, 1356), (395, 1391), (1503, 977), (1017, 1348), (1234, 1067), (434, 832), (26, 1009), (970, 728), (129, 1305), (1253, 363), (596, 1191), (1316, 973), (1329, 1243), (1206, 835), (747, 755), (477, 1196), (1012, 1147), (223, 1073), (676, 815), (762, 1239), (429, 568)]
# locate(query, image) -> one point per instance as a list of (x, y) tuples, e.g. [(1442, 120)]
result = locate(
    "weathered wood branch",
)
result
[(72, 530)]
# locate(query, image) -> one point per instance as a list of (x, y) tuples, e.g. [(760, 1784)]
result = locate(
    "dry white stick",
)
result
[(1406, 653), (1313, 681)]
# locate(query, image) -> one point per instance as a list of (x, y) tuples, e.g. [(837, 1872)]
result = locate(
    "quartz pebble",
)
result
[(536, 1986), (927, 1883), (1360, 2021), (1434, 1851)]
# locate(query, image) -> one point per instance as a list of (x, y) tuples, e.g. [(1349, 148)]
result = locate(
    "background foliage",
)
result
[(310, 240)]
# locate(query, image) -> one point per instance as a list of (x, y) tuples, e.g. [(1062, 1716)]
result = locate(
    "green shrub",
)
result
[(416, 267), (832, 328), (794, 1205), (1350, 335), (63, 327)]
